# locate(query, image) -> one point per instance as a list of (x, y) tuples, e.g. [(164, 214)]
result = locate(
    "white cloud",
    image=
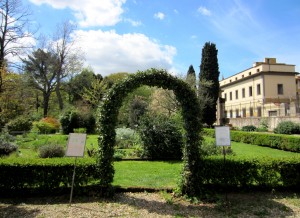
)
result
[(159, 16), (204, 11), (90, 12), (108, 52), (133, 22)]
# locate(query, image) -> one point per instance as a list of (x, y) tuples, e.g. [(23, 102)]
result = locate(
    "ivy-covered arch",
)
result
[(190, 183)]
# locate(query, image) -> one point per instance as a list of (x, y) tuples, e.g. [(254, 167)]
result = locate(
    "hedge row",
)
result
[(282, 142), (46, 176)]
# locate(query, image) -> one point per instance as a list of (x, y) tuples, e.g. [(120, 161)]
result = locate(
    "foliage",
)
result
[(50, 151), (287, 127), (47, 125), (7, 145), (249, 128), (209, 74), (125, 137), (73, 119), (48, 175), (137, 108), (79, 83), (282, 142), (191, 77), (41, 68), (19, 125), (209, 148), (190, 112), (161, 138)]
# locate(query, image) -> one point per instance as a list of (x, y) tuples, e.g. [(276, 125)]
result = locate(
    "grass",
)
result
[(154, 174)]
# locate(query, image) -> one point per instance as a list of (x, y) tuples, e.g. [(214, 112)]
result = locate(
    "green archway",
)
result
[(191, 175)]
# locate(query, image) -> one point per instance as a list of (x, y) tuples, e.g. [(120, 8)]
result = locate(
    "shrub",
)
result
[(7, 145), (161, 138), (47, 125), (287, 127), (125, 137), (72, 119), (209, 147), (50, 151), (249, 128), (19, 125)]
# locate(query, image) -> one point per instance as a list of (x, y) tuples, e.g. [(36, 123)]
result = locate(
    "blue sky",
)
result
[(131, 35)]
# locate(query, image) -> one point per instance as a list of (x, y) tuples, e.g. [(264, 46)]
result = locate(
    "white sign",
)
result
[(76, 144), (222, 135)]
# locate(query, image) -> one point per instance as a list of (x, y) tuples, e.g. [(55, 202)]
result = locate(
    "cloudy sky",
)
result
[(132, 35)]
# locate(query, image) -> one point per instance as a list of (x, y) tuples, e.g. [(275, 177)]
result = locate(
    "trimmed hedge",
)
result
[(51, 175), (44, 174), (282, 142)]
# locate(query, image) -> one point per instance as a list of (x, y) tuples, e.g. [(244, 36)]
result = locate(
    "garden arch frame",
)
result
[(190, 183)]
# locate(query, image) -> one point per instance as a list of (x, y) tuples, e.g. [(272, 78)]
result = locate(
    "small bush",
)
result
[(47, 125), (50, 151), (161, 138), (249, 128), (19, 125), (287, 127), (125, 137), (80, 130), (7, 145), (209, 148)]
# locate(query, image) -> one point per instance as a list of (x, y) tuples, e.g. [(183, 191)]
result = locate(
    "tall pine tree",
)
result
[(209, 83)]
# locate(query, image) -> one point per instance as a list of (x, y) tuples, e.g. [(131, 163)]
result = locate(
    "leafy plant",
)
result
[(249, 128), (287, 127), (19, 125), (50, 151), (7, 145), (161, 138), (125, 137)]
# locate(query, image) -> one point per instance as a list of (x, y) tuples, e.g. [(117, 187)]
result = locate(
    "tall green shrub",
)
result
[(161, 138), (19, 125), (287, 127)]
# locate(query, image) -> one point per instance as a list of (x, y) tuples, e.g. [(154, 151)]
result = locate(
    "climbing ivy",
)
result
[(191, 172)]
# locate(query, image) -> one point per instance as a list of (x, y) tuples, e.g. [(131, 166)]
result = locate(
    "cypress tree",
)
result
[(191, 77), (209, 83)]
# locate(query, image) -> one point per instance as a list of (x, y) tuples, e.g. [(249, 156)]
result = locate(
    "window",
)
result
[(236, 94), (225, 96), (237, 113), (249, 73), (257, 70), (230, 113), (258, 89), (235, 78), (243, 92), (230, 96), (244, 112), (242, 76), (250, 91), (225, 114), (251, 111), (272, 113), (280, 89), (259, 111)]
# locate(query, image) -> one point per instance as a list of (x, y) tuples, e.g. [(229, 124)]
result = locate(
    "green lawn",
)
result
[(154, 174)]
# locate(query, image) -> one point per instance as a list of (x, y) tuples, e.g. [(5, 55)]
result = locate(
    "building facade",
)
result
[(268, 89)]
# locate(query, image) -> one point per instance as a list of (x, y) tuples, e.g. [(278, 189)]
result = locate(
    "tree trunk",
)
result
[(58, 94), (46, 103)]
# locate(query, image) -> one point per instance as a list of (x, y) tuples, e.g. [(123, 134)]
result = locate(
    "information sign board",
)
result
[(76, 144), (222, 135)]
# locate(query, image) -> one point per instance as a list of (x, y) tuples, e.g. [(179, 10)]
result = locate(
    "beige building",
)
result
[(268, 89)]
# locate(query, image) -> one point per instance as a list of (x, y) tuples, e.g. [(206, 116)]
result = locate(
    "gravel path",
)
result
[(149, 205)]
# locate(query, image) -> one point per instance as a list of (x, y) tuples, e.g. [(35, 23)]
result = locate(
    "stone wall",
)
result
[(255, 121)]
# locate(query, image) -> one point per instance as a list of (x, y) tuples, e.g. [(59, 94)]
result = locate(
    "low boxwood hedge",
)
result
[(278, 141), (50, 175)]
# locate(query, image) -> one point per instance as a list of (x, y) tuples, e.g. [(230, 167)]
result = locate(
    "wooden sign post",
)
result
[(75, 148)]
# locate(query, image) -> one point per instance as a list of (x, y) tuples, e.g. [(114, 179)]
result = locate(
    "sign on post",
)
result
[(76, 144), (222, 135), (75, 148)]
